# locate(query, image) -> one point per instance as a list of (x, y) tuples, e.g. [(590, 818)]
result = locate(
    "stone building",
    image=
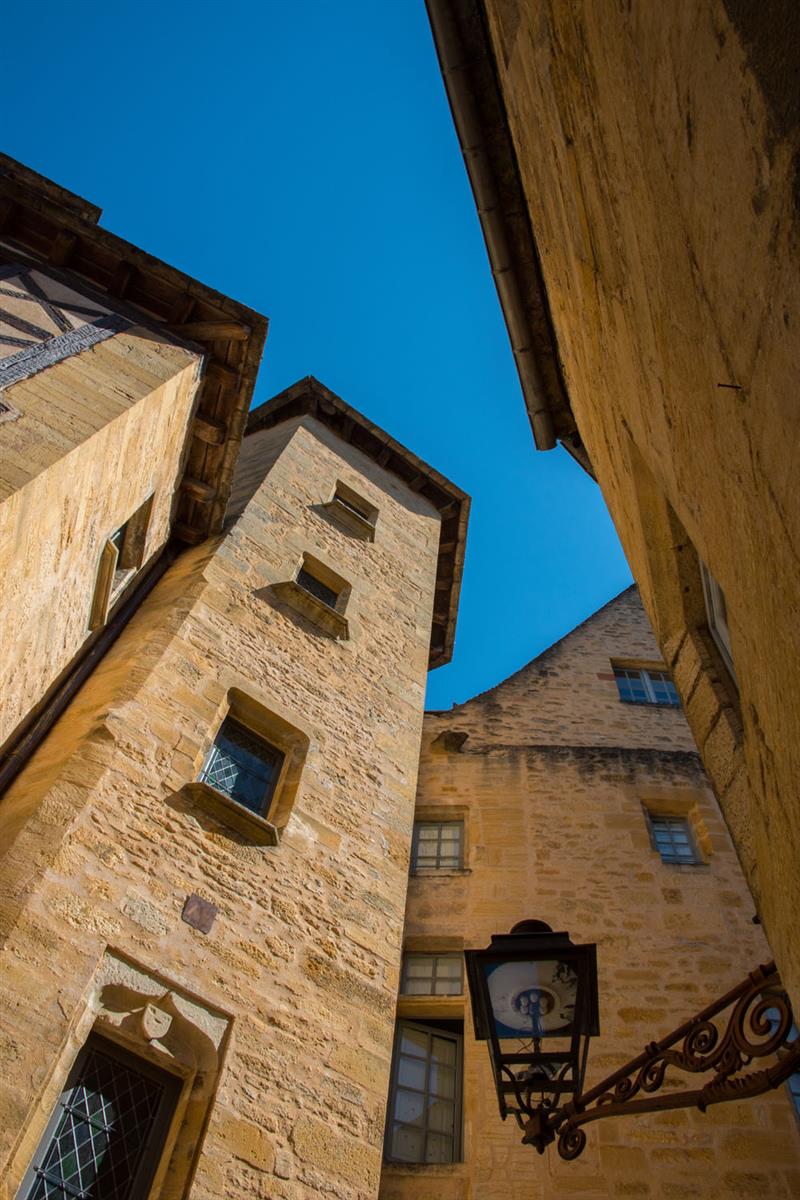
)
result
[(635, 170), (212, 711), (549, 797)]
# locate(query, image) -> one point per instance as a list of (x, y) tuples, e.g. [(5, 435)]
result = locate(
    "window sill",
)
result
[(398, 1167), (649, 704), (225, 810), (438, 872), (332, 622), (352, 522)]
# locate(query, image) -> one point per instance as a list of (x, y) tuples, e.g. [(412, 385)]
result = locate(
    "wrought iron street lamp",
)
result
[(534, 1000)]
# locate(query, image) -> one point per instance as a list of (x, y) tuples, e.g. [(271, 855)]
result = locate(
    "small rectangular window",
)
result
[(108, 1129), (432, 975), (353, 512), (243, 766), (640, 686), (120, 559), (717, 613), (673, 839), (424, 1110), (317, 588), (438, 845)]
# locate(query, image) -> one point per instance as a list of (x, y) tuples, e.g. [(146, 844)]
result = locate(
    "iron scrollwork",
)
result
[(760, 1025)]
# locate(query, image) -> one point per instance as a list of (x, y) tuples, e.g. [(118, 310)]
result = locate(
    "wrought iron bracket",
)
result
[(759, 1026)]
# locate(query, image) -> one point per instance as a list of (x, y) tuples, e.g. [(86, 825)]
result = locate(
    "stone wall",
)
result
[(97, 434), (555, 831), (291, 993), (657, 148)]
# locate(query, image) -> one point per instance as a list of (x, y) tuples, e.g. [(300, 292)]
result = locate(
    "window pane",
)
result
[(317, 588), (442, 1081), (413, 1041), (411, 1073), (439, 1148), (242, 766), (449, 966), (409, 1107), (440, 1116), (407, 1143), (444, 1051)]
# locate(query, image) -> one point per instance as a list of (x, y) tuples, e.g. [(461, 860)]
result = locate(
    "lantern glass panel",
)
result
[(532, 999)]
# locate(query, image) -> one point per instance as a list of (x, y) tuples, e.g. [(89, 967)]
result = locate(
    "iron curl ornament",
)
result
[(759, 1027)]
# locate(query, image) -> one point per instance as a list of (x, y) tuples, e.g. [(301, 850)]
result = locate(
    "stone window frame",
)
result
[(352, 511), (433, 1027), (679, 808), (279, 733), (329, 618), (150, 1017), (153, 1148), (645, 668), (121, 557)]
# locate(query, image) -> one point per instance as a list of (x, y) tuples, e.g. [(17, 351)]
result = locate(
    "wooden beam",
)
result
[(121, 279), (218, 372), (212, 331), (198, 490), (188, 533), (209, 430), (61, 250)]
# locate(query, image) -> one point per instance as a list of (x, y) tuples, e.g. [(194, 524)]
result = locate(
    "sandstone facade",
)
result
[(550, 773), (635, 170), (282, 1013)]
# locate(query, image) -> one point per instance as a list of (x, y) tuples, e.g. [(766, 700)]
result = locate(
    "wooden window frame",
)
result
[(421, 822), (433, 956)]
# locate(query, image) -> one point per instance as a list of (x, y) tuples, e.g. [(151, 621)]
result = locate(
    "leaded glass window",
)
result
[(645, 687), (673, 839), (424, 1117), (104, 1139), (432, 975), (437, 844), (242, 766)]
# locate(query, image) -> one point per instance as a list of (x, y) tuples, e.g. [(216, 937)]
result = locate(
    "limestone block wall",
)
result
[(292, 992), (97, 434), (555, 831), (657, 147)]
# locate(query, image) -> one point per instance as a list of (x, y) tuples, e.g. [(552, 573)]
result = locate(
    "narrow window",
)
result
[(432, 975), (107, 1132), (672, 838), (640, 686), (243, 766), (424, 1110), (353, 512), (120, 559), (317, 588), (437, 844), (717, 613)]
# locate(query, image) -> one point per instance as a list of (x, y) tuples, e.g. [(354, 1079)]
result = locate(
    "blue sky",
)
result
[(301, 157)]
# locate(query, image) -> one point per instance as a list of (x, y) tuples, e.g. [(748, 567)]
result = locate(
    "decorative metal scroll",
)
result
[(43, 320), (759, 1026)]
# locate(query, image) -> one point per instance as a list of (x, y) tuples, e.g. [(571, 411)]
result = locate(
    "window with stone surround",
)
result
[(717, 613), (120, 559), (108, 1130), (353, 512), (437, 845), (645, 685), (432, 975), (243, 766), (424, 1113)]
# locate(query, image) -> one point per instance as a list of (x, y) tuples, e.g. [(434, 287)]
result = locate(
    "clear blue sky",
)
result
[(301, 158)]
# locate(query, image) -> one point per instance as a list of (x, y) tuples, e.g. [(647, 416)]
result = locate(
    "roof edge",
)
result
[(309, 397), (469, 70)]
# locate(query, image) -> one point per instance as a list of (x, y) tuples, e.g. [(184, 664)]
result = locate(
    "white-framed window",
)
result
[(432, 975), (437, 845), (673, 838), (717, 613), (645, 686), (424, 1111)]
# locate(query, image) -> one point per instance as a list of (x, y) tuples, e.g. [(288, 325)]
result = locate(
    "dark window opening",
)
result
[(317, 588)]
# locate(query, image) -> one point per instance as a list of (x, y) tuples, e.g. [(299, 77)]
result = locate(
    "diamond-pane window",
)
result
[(424, 1111), (105, 1137), (432, 975), (242, 766), (438, 845), (645, 687)]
